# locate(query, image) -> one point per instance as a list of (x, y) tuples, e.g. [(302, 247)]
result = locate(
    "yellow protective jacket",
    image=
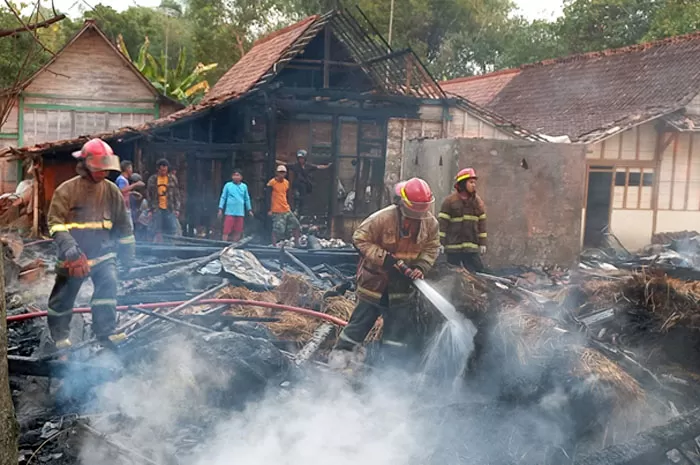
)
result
[(462, 223), (93, 217), (379, 235)]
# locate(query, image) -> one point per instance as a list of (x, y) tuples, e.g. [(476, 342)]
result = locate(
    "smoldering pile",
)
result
[(529, 349), (296, 291)]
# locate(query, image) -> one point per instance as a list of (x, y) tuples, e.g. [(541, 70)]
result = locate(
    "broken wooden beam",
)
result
[(29, 366), (320, 335), (300, 264), (648, 447)]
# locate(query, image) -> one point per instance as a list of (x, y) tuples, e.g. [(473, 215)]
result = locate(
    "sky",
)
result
[(531, 9)]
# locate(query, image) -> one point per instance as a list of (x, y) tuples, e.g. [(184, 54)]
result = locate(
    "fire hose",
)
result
[(154, 305)]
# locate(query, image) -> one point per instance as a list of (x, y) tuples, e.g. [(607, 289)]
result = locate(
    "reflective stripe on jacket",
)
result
[(92, 216), (379, 235), (462, 223)]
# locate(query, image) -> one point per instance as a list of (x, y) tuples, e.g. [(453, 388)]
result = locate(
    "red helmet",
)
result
[(466, 173), (98, 156), (416, 198)]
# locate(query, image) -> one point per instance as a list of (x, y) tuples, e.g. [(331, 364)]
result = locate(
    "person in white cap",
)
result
[(283, 220)]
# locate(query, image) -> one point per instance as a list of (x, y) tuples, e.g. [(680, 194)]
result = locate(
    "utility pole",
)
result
[(391, 20)]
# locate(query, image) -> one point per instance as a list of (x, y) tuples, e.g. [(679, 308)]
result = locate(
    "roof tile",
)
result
[(258, 61), (480, 89), (595, 92)]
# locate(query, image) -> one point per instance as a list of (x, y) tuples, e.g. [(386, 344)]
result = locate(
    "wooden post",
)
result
[(326, 56), (8, 423), (35, 199)]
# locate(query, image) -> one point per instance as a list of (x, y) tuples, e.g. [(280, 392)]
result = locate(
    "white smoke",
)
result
[(324, 421)]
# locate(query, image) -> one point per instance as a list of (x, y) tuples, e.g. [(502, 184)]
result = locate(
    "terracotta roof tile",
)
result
[(600, 92), (258, 61), (480, 89)]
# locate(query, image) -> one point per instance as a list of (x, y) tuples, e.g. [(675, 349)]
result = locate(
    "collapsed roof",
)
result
[(398, 73)]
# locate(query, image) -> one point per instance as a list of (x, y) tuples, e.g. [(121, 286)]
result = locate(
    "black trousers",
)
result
[(396, 329), (103, 303), (469, 260)]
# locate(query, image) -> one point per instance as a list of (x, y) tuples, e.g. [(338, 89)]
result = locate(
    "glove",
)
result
[(390, 261), (482, 249), (441, 249), (76, 263)]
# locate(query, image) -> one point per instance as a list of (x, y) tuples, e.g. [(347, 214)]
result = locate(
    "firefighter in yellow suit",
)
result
[(401, 239), (88, 220)]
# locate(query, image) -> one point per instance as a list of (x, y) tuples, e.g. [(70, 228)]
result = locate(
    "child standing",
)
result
[(233, 205)]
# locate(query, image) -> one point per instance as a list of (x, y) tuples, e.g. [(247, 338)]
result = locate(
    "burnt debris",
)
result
[(571, 365)]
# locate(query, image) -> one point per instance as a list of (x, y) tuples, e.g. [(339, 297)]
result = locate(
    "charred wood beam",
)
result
[(388, 56), (147, 285), (186, 145), (348, 95), (152, 270), (28, 366), (300, 264), (649, 447), (316, 63), (171, 320), (209, 242), (179, 308), (319, 336), (175, 250), (327, 109)]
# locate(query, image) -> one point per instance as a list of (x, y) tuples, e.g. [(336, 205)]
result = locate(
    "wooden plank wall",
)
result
[(90, 67), (88, 89), (650, 193)]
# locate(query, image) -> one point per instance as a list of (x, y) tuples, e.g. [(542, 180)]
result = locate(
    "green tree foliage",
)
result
[(453, 37), (180, 83), (589, 25), (675, 17)]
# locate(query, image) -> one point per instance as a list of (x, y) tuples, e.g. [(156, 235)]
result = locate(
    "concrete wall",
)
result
[(534, 214), (432, 124)]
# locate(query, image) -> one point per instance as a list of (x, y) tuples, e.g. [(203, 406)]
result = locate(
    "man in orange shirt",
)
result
[(283, 220)]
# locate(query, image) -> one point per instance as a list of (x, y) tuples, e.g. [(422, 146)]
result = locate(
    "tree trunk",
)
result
[(9, 428)]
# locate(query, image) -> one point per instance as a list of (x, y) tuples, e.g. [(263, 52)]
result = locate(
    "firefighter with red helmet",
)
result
[(88, 220), (462, 220), (403, 236)]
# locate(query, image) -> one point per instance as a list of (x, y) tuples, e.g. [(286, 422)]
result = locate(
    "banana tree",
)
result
[(178, 83)]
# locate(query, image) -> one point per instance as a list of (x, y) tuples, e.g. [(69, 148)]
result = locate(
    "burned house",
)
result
[(635, 109), (328, 84)]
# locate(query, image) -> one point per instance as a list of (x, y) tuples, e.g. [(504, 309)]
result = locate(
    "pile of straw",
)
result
[(298, 291), (293, 291), (605, 377), (376, 332), (530, 338), (290, 327), (668, 302)]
